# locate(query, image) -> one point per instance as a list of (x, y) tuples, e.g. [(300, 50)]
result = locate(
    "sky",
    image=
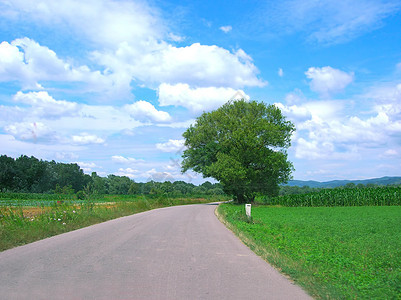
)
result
[(112, 84)]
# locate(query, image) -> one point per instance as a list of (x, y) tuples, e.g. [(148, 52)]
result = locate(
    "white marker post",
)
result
[(248, 210)]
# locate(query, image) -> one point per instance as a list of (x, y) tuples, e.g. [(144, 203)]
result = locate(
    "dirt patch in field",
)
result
[(107, 204), (30, 212)]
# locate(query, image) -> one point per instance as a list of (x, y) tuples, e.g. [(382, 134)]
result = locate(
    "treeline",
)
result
[(122, 185), (31, 175)]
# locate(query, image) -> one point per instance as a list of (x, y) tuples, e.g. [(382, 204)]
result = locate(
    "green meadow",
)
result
[(332, 252)]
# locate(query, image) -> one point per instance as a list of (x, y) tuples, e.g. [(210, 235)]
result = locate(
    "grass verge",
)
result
[(332, 252), (19, 226)]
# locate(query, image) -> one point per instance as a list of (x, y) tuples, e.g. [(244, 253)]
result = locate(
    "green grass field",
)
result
[(333, 252)]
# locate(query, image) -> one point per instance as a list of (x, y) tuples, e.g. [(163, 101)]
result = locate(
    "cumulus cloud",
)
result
[(328, 80), (158, 176), (171, 146), (44, 105), (13, 147), (325, 131), (196, 65), (121, 20), (295, 113), (280, 72), (31, 131), (132, 45), (31, 64), (66, 155), (143, 110), (197, 99), (388, 99), (151, 174), (128, 172), (86, 138), (125, 160), (65, 119), (312, 149), (87, 167), (226, 29), (295, 97)]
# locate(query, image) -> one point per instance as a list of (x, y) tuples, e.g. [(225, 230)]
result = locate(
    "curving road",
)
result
[(180, 252)]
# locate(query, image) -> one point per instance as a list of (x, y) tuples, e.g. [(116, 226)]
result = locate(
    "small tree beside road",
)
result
[(244, 146)]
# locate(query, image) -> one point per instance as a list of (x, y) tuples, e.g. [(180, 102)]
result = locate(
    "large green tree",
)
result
[(244, 146)]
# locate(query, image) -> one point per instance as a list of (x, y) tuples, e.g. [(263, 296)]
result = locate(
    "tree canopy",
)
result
[(31, 175), (244, 146)]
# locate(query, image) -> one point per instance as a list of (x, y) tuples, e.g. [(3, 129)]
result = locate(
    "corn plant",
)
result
[(380, 196)]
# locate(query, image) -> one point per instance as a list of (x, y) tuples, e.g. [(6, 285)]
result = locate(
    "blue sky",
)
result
[(112, 85)]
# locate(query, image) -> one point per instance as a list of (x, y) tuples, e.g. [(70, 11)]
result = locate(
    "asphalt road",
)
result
[(181, 252)]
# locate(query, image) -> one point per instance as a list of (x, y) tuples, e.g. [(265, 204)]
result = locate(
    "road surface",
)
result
[(181, 252)]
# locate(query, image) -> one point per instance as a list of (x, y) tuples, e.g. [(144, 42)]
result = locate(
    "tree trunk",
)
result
[(240, 199)]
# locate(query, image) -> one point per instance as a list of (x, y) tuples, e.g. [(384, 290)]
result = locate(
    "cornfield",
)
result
[(379, 196)]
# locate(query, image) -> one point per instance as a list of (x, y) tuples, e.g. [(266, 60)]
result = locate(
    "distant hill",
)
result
[(337, 183)]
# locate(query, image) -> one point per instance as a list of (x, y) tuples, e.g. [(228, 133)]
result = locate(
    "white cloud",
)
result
[(183, 124), (295, 97), (10, 59), (148, 175), (31, 64), (175, 38), (388, 99), (328, 80), (171, 146), (87, 167), (44, 105), (66, 156), (196, 99), (86, 138), (325, 131), (143, 110), (158, 176), (128, 172), (330, 21), (226, 29), (10, 114), (132, 45), (31, 131), (196, 65), (52, 124), (105, 118), (324, 111), (312, 149), (154, 174), (390, 153), (280, 72), (131, 21), (15, 147), (125, 160), (295, 113)]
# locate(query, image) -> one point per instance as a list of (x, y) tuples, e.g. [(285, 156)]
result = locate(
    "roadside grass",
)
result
[(332, 252), (26, 223)]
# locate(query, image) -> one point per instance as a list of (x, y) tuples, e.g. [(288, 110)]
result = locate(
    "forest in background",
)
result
[(31, 175)]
